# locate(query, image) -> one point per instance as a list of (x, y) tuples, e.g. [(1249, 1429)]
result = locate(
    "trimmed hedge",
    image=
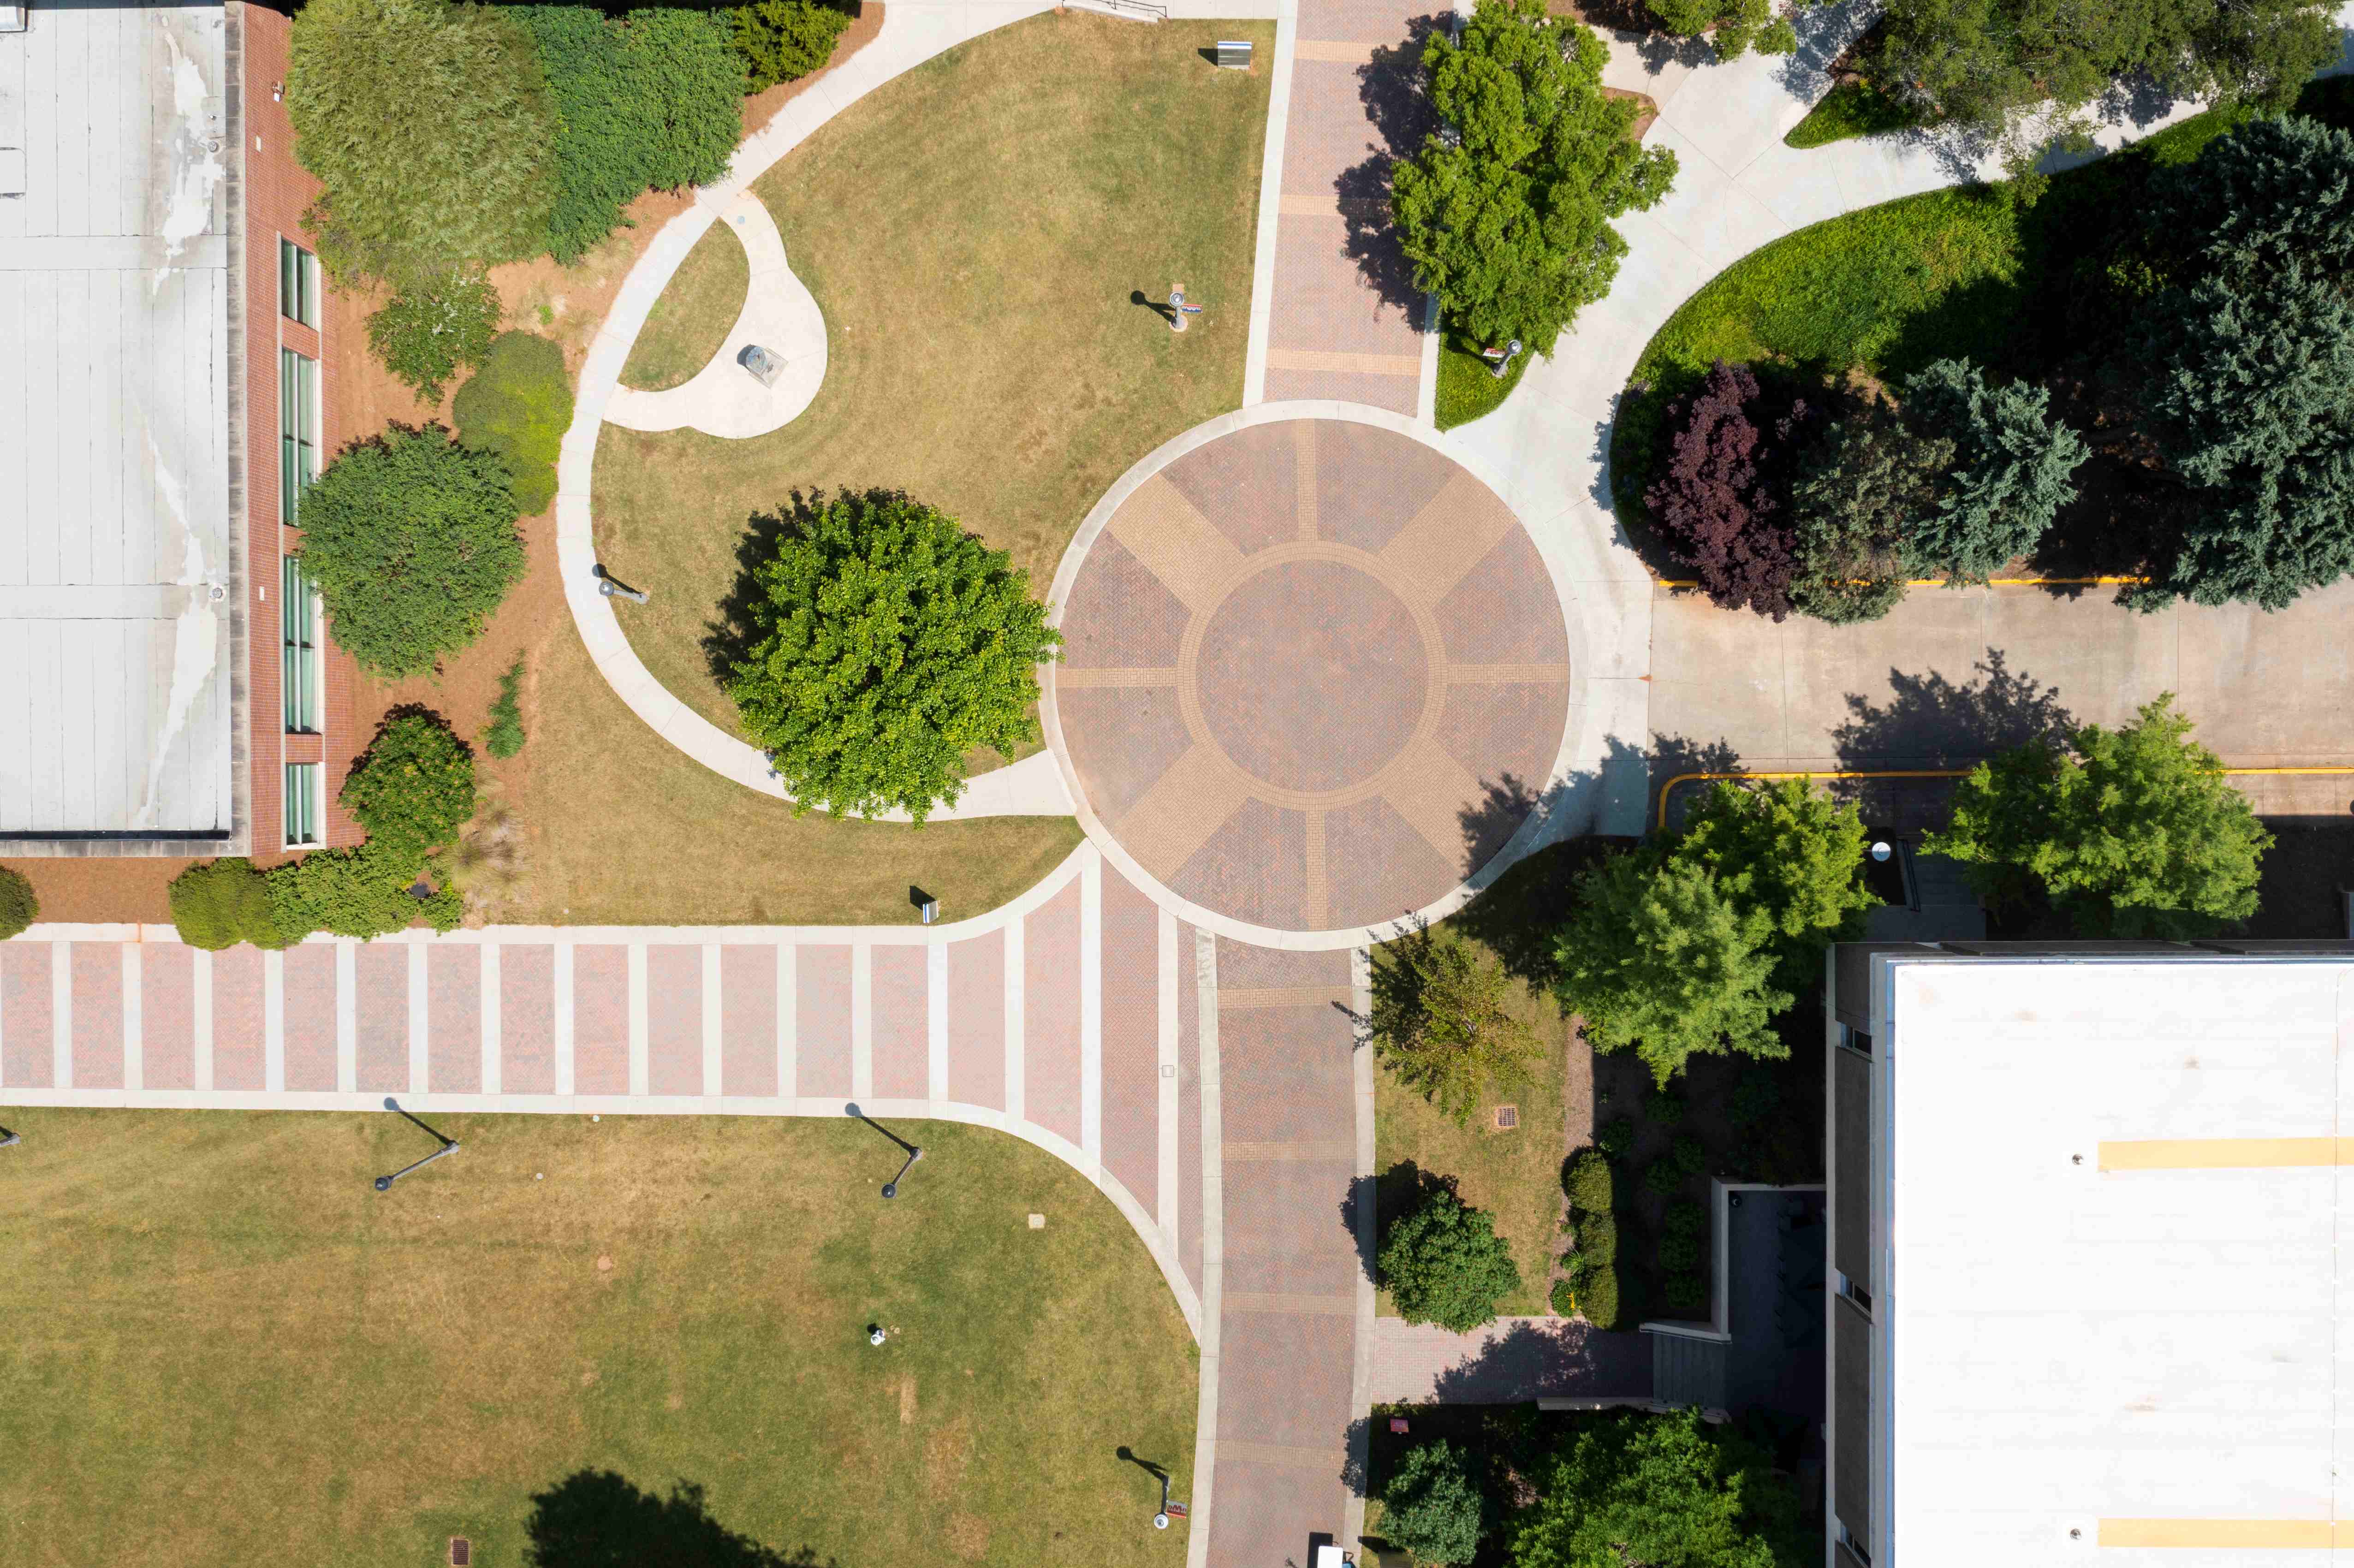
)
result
[(222, 902), (19, 905), (1663, 1177), (1679, 1254), (1686, 1217), (362, 892), (1600, 1299), (1616, 1137), (1597, 1238), (1686, 1292), (1688, 1155), (518, 405), (1591, 1182)]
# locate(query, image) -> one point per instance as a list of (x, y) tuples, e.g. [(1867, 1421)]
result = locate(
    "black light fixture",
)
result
[(449, 1145), (890, 1188)]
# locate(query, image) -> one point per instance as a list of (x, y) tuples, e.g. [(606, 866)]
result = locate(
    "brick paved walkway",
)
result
[(1059, 1019), (1314, 672), (1511, 1359), (1346, 319)]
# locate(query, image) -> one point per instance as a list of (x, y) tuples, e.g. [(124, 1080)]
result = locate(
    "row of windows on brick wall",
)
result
[(304, 807)]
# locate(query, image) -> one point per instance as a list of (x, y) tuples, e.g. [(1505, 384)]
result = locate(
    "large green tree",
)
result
[(1666, 1491), (2012, 467), (1444, 1263), (2002, 66), (430, 127), (411, 539), (1506, 211), (2132, 832), (1432, 1505), (891, 642), (1443, 1022), (1659, 960), (1791, 852)]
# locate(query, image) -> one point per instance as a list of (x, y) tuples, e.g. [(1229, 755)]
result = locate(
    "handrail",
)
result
[(1930, 773), (1943, 582)]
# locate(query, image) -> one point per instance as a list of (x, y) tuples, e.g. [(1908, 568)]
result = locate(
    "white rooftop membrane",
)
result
[(115, 707), (2070, 1344)]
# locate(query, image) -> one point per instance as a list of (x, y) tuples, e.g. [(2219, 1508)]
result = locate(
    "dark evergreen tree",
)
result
[(2013, 469), (1858, 498), (2248, 385)]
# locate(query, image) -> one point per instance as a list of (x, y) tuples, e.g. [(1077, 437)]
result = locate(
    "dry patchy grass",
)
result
[(694, 315), (974, 231), (222, 1343)]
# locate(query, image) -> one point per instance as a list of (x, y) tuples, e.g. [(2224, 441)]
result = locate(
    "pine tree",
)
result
[(2249, 378), (2013, 468), (2269, 192), (1857, 500)]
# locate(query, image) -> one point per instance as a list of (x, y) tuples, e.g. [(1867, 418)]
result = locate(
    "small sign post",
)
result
[(1178, 309), (1234, 54)]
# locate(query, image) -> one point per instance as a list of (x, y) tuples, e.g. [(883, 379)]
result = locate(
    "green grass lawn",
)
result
[(1850, 108), (693, 317), (1514, 1175), (1467, 388), (223, 1346), (974, 232), (1962, 272)]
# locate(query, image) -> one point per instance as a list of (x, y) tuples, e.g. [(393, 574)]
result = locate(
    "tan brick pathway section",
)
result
[(1313, 672), (1346, 320)]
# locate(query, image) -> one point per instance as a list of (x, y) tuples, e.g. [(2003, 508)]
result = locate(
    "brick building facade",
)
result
[(302, 687)]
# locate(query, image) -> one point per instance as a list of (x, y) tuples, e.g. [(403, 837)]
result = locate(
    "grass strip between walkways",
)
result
[(691, 321), (223, 1345)]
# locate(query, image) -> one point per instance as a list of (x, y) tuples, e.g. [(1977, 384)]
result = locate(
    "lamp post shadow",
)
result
[(890, 1188)]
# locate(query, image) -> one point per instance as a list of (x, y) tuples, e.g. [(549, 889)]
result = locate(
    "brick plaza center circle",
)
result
[(1314, 675)]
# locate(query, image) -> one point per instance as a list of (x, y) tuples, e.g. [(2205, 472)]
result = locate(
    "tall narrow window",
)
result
[(297, 432), (298, 284), (298, 614), (301, 804)]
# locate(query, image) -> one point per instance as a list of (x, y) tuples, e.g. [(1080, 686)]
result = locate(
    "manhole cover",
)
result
[(461, 1552)]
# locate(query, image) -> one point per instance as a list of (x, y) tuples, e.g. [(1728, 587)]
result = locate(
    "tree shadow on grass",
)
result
[(595, 1519)]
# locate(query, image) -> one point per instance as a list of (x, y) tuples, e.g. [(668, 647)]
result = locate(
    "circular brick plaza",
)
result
[(1313, 675)]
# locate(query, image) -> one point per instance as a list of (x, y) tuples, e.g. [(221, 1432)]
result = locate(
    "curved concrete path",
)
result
[(913, 31), (724, 398)]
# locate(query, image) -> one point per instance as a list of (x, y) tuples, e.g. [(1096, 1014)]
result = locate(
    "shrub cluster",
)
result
[(413, 790), (1444, 1263), (1591, 1282), (19, 906), (518, 405), (784, 40), (1683, 1237), (651, 102), (502, 736), (1776, 505)]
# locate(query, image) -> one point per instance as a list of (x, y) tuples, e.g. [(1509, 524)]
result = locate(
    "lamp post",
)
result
[(449, 1145), (890, 1188)]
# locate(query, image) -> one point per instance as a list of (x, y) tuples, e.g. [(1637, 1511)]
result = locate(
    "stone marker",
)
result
[(763, 365)]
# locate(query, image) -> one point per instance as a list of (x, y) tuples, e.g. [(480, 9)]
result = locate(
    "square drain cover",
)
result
[(1508, 1117)]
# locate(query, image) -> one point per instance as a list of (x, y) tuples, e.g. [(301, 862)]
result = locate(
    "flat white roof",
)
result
[(2158, 1351), (115, 589)]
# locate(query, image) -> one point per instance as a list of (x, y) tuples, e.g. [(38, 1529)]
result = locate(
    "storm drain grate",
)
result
[(461, 1552), (1506, 1117)]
